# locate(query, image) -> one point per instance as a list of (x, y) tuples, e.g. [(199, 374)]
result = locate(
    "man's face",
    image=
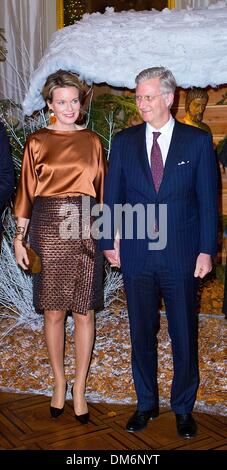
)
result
[(152, 103), (197, 108)]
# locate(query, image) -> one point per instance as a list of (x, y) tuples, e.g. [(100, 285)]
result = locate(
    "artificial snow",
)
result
[(114, 47)]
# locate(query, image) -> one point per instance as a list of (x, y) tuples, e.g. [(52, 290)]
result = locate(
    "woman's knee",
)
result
[(54, 316), (84, 320)]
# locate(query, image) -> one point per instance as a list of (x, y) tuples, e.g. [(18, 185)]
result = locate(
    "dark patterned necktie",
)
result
[(157, 167)]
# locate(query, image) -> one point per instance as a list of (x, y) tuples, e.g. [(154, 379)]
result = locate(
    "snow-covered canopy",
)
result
[(114, 47)]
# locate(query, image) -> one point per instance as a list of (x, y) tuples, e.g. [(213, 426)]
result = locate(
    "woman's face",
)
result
[(66, 106)]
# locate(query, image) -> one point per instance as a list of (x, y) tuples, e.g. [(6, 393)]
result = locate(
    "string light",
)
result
[(73, 11)]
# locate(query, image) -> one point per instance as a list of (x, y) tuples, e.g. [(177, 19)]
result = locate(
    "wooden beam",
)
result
[(171, 4), (60, 13)]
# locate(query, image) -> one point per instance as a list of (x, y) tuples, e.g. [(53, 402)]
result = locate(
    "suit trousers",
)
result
[(143, 293)]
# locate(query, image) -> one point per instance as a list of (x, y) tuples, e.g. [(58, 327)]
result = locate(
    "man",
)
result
[(195, 105), (163, 162), (6, 171)]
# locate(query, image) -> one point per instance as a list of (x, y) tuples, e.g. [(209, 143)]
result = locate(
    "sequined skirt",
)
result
[(72, 265)]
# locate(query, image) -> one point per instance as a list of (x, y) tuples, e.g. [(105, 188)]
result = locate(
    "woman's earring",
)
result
[(52, 118)]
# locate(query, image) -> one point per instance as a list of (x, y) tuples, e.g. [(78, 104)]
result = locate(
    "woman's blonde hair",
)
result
[(62, 79)]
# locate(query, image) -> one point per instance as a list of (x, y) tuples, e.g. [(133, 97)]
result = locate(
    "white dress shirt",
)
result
[(163, 140)]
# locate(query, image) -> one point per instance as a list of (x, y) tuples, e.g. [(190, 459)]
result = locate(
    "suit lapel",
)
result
[(175, 150), (143, 157)]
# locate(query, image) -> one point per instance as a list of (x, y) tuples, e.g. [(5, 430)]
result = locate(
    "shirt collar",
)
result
[(166, 129)]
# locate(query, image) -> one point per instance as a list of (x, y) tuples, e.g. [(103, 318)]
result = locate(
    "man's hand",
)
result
[(203, 265), (113, 256)]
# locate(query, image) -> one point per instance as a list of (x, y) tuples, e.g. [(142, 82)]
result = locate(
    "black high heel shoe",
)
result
[(84, 418), (55, 412)]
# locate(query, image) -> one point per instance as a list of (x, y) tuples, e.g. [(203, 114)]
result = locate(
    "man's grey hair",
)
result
[(167, 81)]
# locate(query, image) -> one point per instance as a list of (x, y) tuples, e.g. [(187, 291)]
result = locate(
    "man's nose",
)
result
[(142, 104)]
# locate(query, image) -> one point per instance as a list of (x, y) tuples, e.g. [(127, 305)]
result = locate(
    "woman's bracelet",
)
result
[(19, 230), (19, 237), (19, 233)]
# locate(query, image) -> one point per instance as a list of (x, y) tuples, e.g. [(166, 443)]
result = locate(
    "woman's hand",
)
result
[(21, 254)]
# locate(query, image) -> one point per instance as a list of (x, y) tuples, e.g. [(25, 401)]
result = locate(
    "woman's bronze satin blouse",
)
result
[(58, 163)]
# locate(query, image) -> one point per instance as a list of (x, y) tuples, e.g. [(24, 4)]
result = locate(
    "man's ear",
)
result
[(169, 97)]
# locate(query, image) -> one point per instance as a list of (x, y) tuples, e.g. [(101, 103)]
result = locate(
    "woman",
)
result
[(63, 166)]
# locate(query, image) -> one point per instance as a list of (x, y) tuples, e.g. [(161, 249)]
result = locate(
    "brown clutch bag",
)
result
[(34, 266)]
